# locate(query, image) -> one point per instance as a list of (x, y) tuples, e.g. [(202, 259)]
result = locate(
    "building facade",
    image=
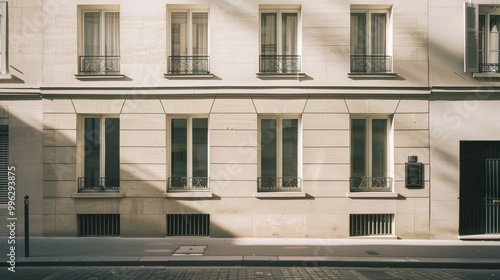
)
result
[(323, 119)]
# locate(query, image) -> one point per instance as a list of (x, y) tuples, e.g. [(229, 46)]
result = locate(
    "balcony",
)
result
[(279, 184), (99, 65), (371, 64), (189, 65), (187, 184), (279, 64), (371, 184), (98, 184), (489, 68)]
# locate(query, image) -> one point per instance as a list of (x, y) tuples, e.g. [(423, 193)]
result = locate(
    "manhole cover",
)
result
[(190, 250)]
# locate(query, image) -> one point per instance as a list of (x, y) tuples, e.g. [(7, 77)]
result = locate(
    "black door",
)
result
[(479, 187)]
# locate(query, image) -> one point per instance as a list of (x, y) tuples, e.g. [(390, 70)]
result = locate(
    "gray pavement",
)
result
[(253, 252)]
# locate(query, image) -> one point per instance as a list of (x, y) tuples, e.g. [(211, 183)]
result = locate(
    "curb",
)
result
[(264, 261)]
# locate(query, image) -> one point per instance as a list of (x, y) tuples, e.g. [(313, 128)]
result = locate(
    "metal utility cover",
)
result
[(191, 250)]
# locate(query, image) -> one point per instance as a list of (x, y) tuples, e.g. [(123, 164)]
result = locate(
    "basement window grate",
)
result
[(188, 225), (98, 224), (371, 224)]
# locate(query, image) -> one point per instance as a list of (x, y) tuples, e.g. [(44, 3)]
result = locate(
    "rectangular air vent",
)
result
[(188, 225), (371, 224), (98, 224)]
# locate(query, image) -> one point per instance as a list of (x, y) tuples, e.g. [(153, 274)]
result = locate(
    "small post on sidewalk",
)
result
[(26, 226)]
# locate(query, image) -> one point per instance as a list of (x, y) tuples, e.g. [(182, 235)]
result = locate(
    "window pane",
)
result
[(200, 147), (289, 36), (200, 34), (494, 44), (289, 153), (91, 33), (358, 34), (482, 38), (178, 33), (268, 22), (268, 148), (92, 150), (379, 147), (358, 147), (378, 33), (112, 151), (179, 148), (112, 33)]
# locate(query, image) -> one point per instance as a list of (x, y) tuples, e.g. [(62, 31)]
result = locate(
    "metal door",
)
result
[(492, 197)]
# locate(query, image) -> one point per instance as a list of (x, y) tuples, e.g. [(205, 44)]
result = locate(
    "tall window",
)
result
[(101, 42), (4, 42), (189, 42), (278, 157), (189, 154), (101, 154), (369, 154), (489, 42), (369, 41), (279, 41)]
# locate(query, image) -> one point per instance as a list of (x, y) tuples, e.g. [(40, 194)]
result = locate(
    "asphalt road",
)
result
[(257, 273)]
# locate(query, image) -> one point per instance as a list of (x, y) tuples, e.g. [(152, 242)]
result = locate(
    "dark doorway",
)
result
[(479, 187)]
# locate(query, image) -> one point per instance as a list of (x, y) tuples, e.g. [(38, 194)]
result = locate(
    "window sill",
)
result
[(280, 75), (486, 75), (188, 76), (372, 75), (6, 76), (99, 76), (372, 195), (188, 195), (280, 195), (98, 195), (390, 237)]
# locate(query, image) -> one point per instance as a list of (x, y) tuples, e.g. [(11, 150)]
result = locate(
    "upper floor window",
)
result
[(279, 40), (482, 35), (370, 48), (189, 52), (369, 154), (4, 42), (101, 153), (279, 154), (100, 47), (188, 154)]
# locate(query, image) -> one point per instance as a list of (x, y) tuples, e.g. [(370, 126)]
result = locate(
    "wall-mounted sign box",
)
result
[(414, 173)]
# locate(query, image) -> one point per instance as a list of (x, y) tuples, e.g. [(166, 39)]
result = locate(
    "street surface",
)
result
[(257, 273)]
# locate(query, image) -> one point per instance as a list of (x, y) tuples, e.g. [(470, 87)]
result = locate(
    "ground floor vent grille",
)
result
[(371, 224), (98, 224), (188, 225)]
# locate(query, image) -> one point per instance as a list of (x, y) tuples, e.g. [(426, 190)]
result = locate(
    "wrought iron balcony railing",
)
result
[(189, 65), (489, 67), (279, 184), (98, 184), (279, 64), (183, 184), (371, 64), (100, 65), (371, 184)]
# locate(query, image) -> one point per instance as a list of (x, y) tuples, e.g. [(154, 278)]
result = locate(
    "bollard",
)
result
[(26, 226)]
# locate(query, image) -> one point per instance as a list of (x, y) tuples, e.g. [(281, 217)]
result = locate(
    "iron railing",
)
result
[(279, 184), (371, 64), (371, 184), (188, 224), (189, 65), (370, 224), (100, 65), (98, 224), (489, 67), (279, 64), (97, 184), (188, 184)]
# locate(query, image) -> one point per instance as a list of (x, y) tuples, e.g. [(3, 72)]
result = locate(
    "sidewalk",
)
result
[(204, 251)]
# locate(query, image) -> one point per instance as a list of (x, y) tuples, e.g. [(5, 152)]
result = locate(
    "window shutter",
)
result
[(471, 63)]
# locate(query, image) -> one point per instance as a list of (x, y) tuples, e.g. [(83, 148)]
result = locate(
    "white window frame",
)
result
[(4, 40), (189, 153), (189, 28), (279, 26), (486, 33), (389, 170), (369, 35), (81, 137), (102, 11), (279, 142)]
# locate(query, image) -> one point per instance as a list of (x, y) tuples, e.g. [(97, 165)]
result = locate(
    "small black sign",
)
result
[(414, 175)]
